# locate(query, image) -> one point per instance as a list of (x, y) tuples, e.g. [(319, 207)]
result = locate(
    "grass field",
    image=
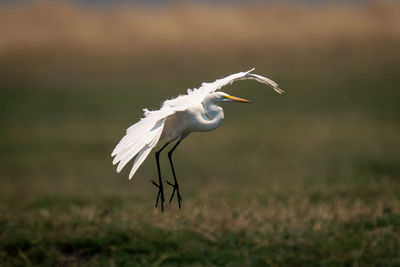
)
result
[(308, 178)]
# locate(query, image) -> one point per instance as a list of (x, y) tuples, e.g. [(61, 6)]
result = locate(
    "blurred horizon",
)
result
[(224, 2), (65, 39)]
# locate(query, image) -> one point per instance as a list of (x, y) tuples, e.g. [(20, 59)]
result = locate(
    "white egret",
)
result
[(197, 111)]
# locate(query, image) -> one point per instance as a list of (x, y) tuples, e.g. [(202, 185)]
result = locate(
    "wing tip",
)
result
[(279, 90), (119, 169), (252, 69)]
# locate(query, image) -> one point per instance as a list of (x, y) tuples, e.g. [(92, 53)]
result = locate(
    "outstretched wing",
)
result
[(140, 139), (197, 95), (207, 88)]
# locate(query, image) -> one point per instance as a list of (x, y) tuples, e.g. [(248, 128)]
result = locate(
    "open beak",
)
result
[(237, 99)]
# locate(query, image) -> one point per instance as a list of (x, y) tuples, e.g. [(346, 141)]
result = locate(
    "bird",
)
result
[(196, 111)]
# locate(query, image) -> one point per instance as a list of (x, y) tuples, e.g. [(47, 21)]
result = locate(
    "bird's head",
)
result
[(224, 97)]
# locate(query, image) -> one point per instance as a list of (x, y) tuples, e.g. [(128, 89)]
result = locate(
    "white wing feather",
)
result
[(140, 139), (182, 102), (144, 135), (207, 88)]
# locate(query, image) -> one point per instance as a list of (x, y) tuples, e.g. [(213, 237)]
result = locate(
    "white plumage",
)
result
[(178, 117), (140, 138), (144, 135)]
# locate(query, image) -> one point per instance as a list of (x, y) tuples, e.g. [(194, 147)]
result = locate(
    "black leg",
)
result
[(175, 185), (160, 195)]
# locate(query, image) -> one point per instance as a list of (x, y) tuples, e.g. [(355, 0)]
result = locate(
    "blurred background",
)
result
[(308, 177)]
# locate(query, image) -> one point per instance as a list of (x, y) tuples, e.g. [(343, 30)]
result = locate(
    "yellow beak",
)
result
[(237, 99)]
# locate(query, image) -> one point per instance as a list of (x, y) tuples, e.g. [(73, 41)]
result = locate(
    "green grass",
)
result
[(311, 177)]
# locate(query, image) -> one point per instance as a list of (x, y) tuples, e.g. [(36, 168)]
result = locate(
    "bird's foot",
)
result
[(175, 188), (160, 195)]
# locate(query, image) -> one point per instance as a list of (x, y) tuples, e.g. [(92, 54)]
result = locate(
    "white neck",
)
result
[(212, 117)]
